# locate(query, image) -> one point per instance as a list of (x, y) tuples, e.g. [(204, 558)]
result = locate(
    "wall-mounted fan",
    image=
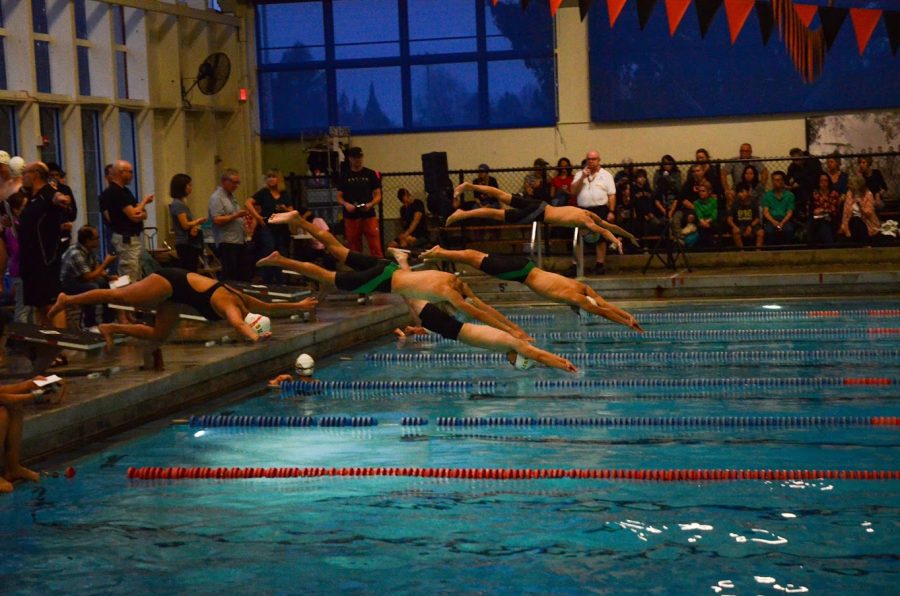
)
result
[(211, 76)]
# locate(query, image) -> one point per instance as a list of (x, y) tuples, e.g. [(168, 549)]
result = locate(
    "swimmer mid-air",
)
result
[(549, 285), (525, 211), (380, 275)]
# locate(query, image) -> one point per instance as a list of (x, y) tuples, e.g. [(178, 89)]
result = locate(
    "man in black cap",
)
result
[(484, 178), (359, 191)]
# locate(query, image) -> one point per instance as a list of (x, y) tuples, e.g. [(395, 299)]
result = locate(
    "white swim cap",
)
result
[(305, 365), (259, 323), (16, 165), (523, 363), (4, 158)]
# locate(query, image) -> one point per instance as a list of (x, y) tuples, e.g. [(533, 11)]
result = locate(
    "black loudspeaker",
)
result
[(436, 171)]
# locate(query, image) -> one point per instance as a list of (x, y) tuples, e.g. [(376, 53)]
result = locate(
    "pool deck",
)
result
[(98, 407)]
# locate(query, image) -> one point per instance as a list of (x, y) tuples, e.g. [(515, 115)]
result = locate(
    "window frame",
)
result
[(56, 134), (406, 61), (13, 124)]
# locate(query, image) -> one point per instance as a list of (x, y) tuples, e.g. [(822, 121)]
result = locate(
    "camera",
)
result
[(360, 205)]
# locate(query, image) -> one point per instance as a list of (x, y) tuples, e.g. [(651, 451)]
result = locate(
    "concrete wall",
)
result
[(573, 136)]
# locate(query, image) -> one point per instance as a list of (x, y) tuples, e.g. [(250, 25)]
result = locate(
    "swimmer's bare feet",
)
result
[(21, 473), (6, 486), (461, 188), (284, 217), (273, 260), (60, 305), (432, 253), (454, 217), (106, 331)]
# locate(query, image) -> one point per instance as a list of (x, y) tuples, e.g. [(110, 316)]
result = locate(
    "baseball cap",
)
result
[(484, 167), (355, 152), (541, 162)]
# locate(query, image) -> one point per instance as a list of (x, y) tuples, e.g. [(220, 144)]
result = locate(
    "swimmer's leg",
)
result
[(332, 244), (468, 256), (482, 212), (303, 268)]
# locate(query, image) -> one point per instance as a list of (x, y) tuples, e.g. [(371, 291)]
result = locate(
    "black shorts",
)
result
[(437, 321), (603, 212), (367, 281), (511, 268), (531, 212), (360, 262)]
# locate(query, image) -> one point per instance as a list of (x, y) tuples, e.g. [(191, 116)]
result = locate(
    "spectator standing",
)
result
[(874, 181), (413, 222), (826, 206), (595, 190), (778, 211), (859, 222), (272, 198), (743, 218), (359, 192), (15, 204), (58, 181), (82, 272), (126, 219), (39, 231), (188, 237), (838, 177), (484, 178), (228, 227), (561, 183), (735, 170)]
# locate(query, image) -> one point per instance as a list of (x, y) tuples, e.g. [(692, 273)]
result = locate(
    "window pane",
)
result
[(282, 38), (446, 27), (521, 92), (508, 27), (42, 65), (128, 145), (370, 98), (118, 19), (50, 130), (3, 84), (293, 101), (93, 168), (366, 29), (8, 129), (445, 95), (121, 75), (81, 29), (84, 71), (39, 16)]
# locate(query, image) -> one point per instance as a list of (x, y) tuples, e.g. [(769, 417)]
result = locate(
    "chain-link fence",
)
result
[(658, 198)]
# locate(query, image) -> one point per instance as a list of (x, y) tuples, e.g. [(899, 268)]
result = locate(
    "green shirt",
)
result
[(778, 208), (706, 208)]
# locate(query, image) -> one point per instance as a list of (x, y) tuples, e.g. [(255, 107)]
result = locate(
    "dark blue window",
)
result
[(3, 84), (8, 137), (404, 65), (121, 75), (39, 16), (51, 130), (42, 65), (118, 19), (81, 27), (84, 71)]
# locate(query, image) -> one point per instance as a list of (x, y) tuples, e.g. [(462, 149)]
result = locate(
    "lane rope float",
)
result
[(656, 421), (222, 420)]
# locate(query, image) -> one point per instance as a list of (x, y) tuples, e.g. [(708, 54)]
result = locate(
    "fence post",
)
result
[(578, 252)]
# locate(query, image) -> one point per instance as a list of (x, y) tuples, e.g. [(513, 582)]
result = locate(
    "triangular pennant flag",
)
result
[(554, 6), (495, 2), (706, 12), (615, 9), (737, 11), (864, 22), (676, 9), (584, 6), (806, 12), (645, 9), (892, 22), (766, 19), (832, 19)]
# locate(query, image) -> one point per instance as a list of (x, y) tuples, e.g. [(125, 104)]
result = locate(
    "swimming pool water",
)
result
[(101, 533)]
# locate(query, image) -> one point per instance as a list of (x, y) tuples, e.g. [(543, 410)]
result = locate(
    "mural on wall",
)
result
[(708, 58), (865, 132)]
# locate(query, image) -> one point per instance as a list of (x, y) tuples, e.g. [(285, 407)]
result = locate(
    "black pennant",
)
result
[(645, 8), (892, 22), (524, 4), (584, 6), (706, 12), (832, 19), (766, 19)]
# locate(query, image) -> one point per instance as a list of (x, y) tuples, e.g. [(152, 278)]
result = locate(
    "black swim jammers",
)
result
[(374, 279), (524, 210), (437, 321), (510, 268)]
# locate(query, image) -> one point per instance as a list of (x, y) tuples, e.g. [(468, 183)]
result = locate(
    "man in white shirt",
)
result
[(596, 192)]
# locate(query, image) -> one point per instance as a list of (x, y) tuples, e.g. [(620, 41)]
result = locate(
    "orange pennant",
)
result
[(806, 12), (615, 9), (864, 23), (676, 10), (554, 6), (737, 12)]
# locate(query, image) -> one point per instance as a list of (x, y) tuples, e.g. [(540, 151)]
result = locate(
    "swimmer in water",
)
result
[(551, 286)]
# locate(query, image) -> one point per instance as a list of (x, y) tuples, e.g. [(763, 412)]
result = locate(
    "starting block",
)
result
[(46, 343), (185, 316), (270, 293)]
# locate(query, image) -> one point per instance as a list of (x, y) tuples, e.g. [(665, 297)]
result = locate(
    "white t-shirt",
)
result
[(597, 188)]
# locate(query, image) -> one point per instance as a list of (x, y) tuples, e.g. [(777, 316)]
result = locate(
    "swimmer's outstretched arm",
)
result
[(618, 231), (236, 320), (495, 340), (267, 308), (496, 193)]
